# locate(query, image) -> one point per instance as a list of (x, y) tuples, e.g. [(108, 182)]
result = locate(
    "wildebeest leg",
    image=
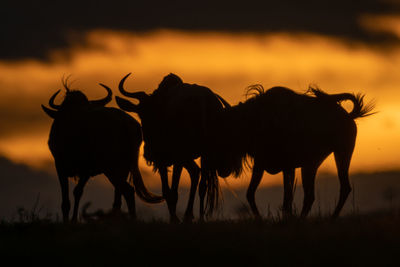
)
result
[(288, 183), (164, 182), (203, 187), (202, 194), (129, 194), (194, 172), (308, 178), (342, 163), (65, 204), (121, 185), (173, 193), (166, 191), (117, 201), (251, 191), (78, 191)]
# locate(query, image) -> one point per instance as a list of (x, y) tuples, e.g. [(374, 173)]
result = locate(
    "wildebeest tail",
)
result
[(360, 109), (141, 190), (213, 191)]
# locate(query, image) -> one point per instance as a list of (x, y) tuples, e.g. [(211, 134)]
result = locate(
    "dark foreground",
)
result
[(350, 241)]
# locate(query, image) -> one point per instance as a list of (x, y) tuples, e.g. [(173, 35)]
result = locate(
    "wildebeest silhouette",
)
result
[(87, 139), (176, 120), (281, 130)]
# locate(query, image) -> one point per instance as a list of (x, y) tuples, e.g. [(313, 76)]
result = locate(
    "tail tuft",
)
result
[(141, 189), (213, 192), (360, 109)]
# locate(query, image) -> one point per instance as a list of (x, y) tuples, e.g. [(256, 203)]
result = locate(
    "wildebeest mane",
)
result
[(163, 90), (150, 157), (254, 90), (237, 158), (168, 82)]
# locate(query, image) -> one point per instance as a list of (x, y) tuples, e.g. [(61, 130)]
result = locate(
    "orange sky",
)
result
[(226, 63)]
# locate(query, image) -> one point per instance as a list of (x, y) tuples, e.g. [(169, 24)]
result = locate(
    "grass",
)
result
[(355, 240)]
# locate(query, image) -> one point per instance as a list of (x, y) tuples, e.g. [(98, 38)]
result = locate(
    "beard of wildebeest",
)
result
[(280, 130), (176, 120), (87, 139)]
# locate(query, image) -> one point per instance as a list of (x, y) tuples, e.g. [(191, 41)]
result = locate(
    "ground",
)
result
[(355, 240)]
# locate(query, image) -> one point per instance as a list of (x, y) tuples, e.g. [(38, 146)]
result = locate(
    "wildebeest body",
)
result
[(87, 139), (177, 121), (282, 130), (77, 141), (182, 119)]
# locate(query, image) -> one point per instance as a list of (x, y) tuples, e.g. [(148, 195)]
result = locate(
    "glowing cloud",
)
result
[(226, 63)]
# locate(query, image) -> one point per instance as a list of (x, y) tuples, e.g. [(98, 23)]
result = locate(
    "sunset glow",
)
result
[(226, 63)]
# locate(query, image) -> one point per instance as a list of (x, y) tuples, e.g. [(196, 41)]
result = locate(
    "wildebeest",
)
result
[(87, 139), (281, 130), (176, 120)]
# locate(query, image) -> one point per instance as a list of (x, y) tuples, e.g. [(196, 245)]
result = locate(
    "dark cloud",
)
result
[(32, 28), (19, 115), (14, 123)]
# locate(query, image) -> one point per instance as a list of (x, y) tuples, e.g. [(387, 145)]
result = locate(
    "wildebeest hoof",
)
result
[(188, 219), (174, 219)]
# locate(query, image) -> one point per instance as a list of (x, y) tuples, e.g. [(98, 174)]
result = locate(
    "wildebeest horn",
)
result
[(223, 101), (126, 104), (106, 100), (50, 112), (51, 101), (138, 95)]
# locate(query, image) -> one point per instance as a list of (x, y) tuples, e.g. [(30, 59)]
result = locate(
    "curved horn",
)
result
[(223, 101), (104, 101), (138, 95), (50, 112), (126, 105), (51, 101)]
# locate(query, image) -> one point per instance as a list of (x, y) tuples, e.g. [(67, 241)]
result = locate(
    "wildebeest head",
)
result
[(126, 105), (149, 108), (74, 99), (146, 103)]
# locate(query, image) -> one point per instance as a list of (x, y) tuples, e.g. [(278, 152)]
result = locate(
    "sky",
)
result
[(341, 46)]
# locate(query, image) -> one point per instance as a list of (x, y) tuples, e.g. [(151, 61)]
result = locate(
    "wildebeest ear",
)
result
[(50, 112), (126, 104)]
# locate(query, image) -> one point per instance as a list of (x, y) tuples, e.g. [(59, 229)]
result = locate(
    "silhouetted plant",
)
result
[(34, 214), (102, 216), (242, 211)]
